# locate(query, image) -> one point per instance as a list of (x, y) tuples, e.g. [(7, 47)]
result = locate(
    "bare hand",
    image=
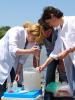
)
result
[(17, 77), (39, 69), (72, 49), (35, 50)]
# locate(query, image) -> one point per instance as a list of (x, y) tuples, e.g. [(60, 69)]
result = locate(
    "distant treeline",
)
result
[(3, 30)]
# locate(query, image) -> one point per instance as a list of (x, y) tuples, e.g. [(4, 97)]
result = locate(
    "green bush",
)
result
[(3, 30)]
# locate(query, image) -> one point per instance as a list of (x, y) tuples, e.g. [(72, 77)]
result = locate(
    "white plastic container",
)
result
[(32, 80)]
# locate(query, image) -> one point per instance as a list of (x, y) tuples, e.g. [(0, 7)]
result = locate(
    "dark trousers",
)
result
[(64, 98), (2, 89), (12, 74), (50, 77), (50, 73)]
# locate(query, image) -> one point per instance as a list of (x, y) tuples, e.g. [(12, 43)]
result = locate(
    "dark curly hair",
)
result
[(45, 25), (49, 11)]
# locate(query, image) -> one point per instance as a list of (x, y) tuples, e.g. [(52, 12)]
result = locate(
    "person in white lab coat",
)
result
[(21, 61), (65, 41), (12, 47)]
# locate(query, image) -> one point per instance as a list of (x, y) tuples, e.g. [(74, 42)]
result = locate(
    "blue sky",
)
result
[(16, 12)]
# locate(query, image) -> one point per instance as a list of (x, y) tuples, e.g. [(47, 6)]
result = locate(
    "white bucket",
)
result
[(32, 80)]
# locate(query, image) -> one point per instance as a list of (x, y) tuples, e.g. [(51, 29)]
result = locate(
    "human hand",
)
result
[(72, 49), (17, 77), (35, 50), (40, 68)]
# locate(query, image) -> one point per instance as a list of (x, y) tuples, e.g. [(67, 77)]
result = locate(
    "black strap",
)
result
[(26, 44)]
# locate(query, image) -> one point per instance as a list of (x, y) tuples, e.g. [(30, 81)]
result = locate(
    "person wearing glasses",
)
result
[(49, 42)]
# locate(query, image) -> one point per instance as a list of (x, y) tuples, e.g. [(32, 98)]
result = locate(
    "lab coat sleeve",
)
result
[(71, 32), (57, 48), (13, 41), (71, 25)]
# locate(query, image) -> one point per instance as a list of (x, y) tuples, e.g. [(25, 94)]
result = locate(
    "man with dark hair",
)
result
[(50, 12), (66, 39)]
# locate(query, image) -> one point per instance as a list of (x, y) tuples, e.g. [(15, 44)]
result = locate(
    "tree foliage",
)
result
[(3, 30)]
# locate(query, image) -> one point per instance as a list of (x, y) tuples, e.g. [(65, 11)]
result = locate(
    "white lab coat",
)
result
[(66, 38), (14, 39)]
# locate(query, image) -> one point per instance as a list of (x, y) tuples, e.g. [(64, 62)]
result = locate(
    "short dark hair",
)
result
[(49, 11)]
